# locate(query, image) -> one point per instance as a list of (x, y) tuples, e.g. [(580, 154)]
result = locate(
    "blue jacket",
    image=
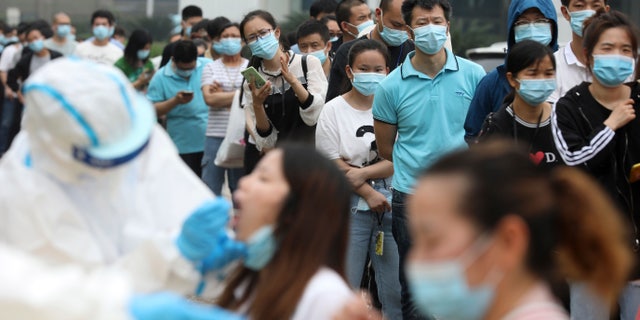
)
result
[(494, 86)]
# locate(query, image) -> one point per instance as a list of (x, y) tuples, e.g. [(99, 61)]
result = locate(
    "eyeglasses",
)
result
[(251, 39), (527, 22)]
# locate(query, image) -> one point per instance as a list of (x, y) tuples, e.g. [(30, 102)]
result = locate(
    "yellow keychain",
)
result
[(380, 243)]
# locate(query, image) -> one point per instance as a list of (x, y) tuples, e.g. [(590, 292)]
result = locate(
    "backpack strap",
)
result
[(304, 67)]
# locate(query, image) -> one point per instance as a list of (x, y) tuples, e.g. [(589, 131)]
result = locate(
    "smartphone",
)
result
[(187, 93), (635, 173), (252, 76)]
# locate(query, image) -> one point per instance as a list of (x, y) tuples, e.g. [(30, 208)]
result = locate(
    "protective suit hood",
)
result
[(517, 7), (77, 126)]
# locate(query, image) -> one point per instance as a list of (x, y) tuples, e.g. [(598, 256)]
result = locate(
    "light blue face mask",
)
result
[(440, 289), (3, 40), (334, 39), (63, 30), (611, 70), (536, 31), (228, 46), (536, 91), (320, 55), (367, 82), (187, 32), (143, 54), (265, 48), (578, 18), (392, 37), (13, 39), (101, 32), (261, 247), (361, 27), (430, 38), (36, 45), (183, 73)]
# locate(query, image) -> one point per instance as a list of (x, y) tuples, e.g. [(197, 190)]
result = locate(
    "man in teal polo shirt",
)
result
[(424, 102), (175, 92)]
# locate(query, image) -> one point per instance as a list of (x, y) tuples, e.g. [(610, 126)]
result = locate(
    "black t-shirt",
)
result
[(338, 81), (537, 138)]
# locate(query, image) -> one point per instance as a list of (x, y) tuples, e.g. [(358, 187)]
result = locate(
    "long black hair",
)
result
[(137, 41)]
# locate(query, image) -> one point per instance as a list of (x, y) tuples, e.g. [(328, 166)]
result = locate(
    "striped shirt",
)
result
[(229, 79)]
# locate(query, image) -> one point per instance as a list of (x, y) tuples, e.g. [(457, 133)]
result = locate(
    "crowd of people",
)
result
[(361, 154)]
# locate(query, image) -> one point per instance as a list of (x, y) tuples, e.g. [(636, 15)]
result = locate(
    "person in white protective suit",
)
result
[(34, 290), (93, 182)]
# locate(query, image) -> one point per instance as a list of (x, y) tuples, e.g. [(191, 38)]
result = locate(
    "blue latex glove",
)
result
[(200, 231), (226, 251), (168, 306)]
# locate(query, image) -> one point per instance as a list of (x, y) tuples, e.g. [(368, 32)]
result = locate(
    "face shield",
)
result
[(86, 127)]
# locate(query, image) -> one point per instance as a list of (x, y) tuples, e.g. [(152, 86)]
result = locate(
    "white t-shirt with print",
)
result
[(344, 132), (108, 54)]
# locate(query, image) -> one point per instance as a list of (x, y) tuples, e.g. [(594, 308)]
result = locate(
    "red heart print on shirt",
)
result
[(536, 157)]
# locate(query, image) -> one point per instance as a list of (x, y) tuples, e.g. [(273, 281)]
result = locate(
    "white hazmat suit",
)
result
[(93, 181)]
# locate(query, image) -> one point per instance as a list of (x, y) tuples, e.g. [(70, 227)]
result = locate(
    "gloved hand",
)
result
[(168, 306), (200, 231), (226, 251)]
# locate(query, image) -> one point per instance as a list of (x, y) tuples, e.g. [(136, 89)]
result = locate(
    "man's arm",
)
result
[(385, 138)]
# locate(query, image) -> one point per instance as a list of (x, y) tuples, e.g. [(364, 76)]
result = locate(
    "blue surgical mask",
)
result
[(13, 39), (367, 82), (578, 18), (536, 91), (187, 32), (265, 48), (228, 46), (3, 40), (36, 45), (143, 54), (112, 30), (361, 27), (320, 55), (101, 32), (261, 247), (63, 30), (611, 70), (183, 73), (536, 31), (334, 39), (430, 38), (392, 37), (441, 289)]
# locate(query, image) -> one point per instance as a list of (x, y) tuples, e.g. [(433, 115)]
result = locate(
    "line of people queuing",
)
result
[(492, 232)]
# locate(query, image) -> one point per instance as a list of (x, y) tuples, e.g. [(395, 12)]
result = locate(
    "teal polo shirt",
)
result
[(186, 123), (429, 113)]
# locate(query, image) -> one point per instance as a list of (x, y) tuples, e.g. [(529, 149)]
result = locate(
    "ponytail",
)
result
[(591, 239)]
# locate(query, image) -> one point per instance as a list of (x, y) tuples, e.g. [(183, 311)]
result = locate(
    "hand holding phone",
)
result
[(184, 96), (252, 76)]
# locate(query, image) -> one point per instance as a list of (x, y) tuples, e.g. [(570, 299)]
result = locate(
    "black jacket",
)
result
[(22, 69), (583, 140)]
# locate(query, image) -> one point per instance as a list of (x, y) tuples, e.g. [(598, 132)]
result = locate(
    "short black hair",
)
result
[(214, 26), (202, 25), (567, 2), (310, 27), (43, 26), (343, 12), (103, 14), (225, 27), (322, 6), (119, 31), (185, 51), (367, 45), (384, 4), (409, 5), (190, 12)]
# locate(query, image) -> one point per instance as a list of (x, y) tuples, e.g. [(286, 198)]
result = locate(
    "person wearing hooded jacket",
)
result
[(528, 19)]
